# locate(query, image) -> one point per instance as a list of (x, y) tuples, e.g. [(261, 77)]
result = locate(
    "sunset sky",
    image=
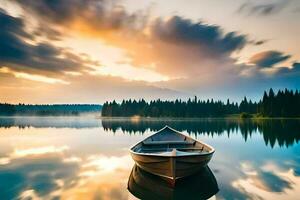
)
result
[(78, 51)]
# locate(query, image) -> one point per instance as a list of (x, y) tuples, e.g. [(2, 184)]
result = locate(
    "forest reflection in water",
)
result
[(284, 132)]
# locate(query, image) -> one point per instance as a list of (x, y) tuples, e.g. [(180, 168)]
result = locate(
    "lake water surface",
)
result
[(88, 158)]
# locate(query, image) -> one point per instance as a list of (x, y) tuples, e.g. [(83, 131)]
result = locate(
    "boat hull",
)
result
[(172, 167)]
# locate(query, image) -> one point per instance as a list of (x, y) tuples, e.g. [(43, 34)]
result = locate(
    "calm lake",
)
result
[(88, 158)]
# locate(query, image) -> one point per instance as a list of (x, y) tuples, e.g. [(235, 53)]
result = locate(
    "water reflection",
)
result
[(285, 132), (36, 175), (268, 182), (144, 185), (63, 163), (55, 175), (86, 158)]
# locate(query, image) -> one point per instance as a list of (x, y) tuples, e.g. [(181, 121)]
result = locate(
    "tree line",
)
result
[(285, 103), (57, 109)]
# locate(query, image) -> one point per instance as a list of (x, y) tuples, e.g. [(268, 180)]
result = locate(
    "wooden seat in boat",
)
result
[(167, 142), (165, 149)]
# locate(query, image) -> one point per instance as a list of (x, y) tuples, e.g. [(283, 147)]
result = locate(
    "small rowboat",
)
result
[(171, 154)]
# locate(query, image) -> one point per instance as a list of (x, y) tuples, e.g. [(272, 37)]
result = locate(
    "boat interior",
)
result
[(167, 141)]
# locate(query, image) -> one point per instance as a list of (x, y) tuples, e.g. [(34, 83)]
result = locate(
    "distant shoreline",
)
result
[(48, 109), (98, 116), (195, 118)]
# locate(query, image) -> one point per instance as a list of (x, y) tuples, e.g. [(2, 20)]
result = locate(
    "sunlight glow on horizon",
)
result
[(113, 61), (32, 77)]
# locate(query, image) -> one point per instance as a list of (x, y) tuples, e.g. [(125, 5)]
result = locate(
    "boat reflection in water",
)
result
[(144, 185)]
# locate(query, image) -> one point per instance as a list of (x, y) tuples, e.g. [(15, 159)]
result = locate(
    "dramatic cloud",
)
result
[(67, 40), (176, 47), (262, 8), (40, 58), (181, 48), (268, 58), (99, 14), (203, 36)]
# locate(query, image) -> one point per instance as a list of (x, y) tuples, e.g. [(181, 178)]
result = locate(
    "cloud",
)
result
[(175, 47), (32, 77), (296, 65), (101, 14), (294, 70), (270, 67), (259, 42), (266, 8), (182, 48), (181, 31), (19, 52), (49, 32), (189, 54), (268, 58)]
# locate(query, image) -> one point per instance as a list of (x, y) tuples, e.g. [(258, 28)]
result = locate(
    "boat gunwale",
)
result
[(169, 156)]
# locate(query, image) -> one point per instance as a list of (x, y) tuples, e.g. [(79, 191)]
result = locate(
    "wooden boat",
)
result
[(202, 185), (171, 154)]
